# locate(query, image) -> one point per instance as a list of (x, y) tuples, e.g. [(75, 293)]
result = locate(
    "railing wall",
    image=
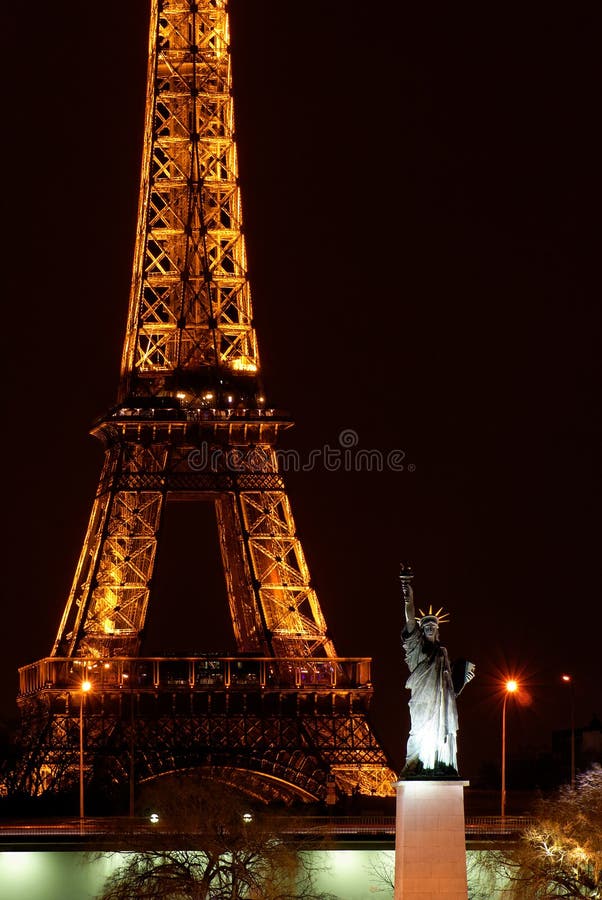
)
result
[(195, 673)]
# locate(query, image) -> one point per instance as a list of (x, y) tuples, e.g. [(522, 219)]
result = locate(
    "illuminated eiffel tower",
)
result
[(286, 718)]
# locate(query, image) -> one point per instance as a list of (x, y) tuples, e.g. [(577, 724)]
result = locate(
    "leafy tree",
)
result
[(211, 845), (560, 856)]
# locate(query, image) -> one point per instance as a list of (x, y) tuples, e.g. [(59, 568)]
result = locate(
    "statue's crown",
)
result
[(438, 617)]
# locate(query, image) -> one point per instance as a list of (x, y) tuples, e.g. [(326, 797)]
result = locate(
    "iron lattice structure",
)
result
[(192, 423)]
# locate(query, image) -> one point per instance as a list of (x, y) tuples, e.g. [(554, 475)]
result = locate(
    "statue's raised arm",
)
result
[(405, 576)]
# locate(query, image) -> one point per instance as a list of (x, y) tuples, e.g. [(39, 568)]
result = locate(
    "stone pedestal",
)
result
[(430, 841)]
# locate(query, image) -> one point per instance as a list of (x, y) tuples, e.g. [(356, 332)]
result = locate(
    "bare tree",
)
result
[(211, 846), (560, 856), (382, 874)]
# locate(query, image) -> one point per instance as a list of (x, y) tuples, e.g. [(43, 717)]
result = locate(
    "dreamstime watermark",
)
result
[(347, 457)]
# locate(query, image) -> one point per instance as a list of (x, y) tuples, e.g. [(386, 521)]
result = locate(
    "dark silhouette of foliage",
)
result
[(211, 845)]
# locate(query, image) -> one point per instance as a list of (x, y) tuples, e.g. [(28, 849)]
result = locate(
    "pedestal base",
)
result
[(430, 841)]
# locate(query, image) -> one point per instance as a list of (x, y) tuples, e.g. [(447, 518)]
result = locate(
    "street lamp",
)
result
[(568, 679), (85, 687), (510, 687)]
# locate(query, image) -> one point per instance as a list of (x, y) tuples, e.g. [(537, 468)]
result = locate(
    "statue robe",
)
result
[(433, 711)]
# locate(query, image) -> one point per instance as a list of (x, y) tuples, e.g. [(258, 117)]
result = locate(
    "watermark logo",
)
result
[(348, 456)]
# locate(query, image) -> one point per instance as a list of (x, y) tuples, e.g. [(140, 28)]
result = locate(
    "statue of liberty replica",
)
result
[(434, 686)]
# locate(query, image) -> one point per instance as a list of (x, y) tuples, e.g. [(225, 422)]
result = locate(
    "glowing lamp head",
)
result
[(511, 686), (86, 686), (154, 818), (566, 678)]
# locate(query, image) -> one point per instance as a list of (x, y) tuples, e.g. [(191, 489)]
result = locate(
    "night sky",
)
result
[(421, 204)]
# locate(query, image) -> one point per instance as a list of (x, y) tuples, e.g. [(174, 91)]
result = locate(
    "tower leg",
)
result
[(430, 841)]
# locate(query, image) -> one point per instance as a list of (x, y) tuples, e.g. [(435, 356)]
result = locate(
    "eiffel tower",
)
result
[(286, 718)]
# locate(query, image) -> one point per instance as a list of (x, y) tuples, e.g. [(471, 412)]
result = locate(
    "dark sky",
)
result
[(421, 199)]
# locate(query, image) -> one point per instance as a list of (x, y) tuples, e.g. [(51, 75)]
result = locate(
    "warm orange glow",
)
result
[(86, 686), (243, 364), (566, 678), (511, 686)]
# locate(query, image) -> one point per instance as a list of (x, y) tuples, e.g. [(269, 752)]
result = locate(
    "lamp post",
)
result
[(131, 744), (568, 679), (85, 687), (510, 687)]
